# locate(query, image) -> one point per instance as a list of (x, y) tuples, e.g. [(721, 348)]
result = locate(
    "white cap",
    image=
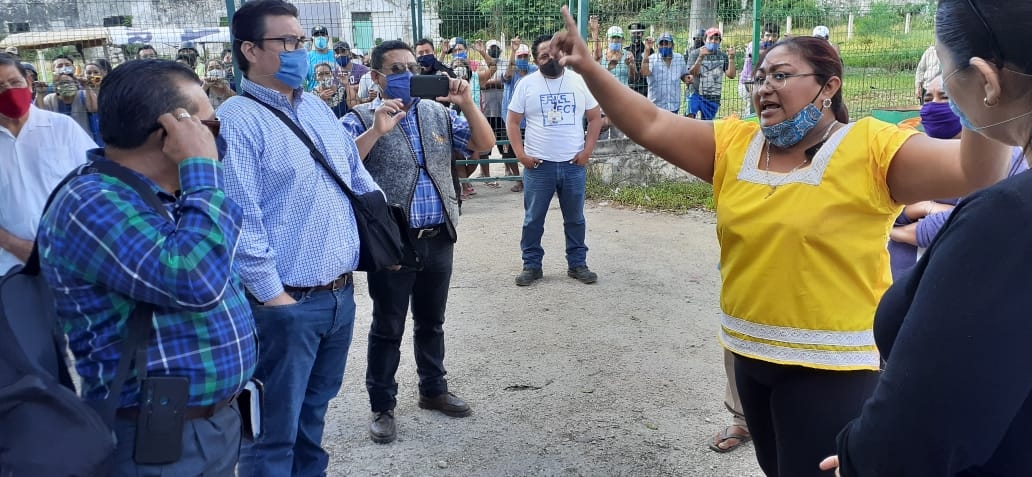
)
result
[(491, 43), (821, 31), (523, 50), (356, 52), (11, 50), (614, 31)]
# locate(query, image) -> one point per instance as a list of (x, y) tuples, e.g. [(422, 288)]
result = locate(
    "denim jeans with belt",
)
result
[(303, 348), (427, 290), (540, 183)]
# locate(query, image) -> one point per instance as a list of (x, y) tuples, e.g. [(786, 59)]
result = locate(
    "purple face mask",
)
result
[(939, 121)]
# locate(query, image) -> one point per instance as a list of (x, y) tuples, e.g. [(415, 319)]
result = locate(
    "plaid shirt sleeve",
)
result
[(461, 132), (136, 251)]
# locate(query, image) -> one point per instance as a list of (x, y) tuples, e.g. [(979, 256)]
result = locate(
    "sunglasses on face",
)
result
[(213, 125), (396, 68)]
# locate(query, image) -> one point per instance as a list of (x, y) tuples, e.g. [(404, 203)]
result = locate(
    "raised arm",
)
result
[(662, 132), (925, 168)]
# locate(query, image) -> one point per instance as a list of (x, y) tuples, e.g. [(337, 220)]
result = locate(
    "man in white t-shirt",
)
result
[(555, 103), (37, 149)]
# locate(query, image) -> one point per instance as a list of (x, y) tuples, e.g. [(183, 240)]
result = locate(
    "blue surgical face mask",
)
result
[(399, 86), (666, 51), (789, 132), (522, 64), (459, 55), (615, 46), (766, 45), (712, 46), (293, 67), (343, 60), (321, 42)]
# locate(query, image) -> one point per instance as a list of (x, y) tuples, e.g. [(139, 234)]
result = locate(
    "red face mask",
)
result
[(15, 102)]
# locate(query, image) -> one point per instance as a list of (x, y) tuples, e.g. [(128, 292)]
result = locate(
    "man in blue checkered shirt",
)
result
[(407, 145), (104, 250), (299, 243)]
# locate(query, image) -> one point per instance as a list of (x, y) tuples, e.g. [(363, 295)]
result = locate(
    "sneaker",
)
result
[(527, 276), (582, 274)]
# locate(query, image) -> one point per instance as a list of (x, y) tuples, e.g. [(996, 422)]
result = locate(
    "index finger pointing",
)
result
[(571, 24)]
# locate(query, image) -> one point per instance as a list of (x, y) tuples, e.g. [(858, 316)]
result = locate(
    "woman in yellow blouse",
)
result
[(805, 202)]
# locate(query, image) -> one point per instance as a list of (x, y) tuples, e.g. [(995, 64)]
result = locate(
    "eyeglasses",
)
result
[(290, 42), (396, 68), (213, 125), (777, 80)]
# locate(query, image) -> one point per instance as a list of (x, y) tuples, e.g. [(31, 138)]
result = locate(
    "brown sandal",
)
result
[(726, 435)]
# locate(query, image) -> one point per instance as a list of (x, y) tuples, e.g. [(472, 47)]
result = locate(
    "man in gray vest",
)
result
[(407, 146)]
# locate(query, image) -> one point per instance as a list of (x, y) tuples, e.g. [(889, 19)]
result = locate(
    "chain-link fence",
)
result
[(880, 42)]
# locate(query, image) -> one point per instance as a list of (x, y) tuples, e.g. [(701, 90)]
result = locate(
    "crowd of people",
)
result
[(864, 265)]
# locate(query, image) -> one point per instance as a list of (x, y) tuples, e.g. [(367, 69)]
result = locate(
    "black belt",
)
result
[(427, 233), (192, 412), (338, 283)]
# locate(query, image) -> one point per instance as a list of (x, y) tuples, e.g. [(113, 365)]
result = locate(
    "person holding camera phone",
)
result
[(406, 147), (216, 85), (106, 251)]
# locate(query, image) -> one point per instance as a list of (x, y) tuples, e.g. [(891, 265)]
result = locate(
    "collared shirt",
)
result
[(47, 148), (299, 228), (427, 209), (103, 250), (665, 81)]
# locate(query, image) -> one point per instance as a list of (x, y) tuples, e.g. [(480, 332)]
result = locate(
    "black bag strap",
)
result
[(139, 322), (314, 151)]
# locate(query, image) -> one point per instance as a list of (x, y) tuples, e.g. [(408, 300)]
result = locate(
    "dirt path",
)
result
[(620, 378)]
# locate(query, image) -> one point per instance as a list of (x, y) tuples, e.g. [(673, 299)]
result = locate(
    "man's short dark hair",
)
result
[(135, 94), (7, 59), (424, 41), (537, 41), (249, 24), (376, 57), (62, 57), (145, 47), (772, 28)]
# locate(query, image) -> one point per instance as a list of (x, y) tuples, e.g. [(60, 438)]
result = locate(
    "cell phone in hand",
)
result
[(429, 86)]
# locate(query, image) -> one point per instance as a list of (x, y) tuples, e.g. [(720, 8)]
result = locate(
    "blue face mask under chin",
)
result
[(293, 67), (399, 86), (789, 132)]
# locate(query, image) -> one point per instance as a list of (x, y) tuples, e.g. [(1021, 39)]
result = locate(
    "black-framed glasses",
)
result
[(213, 125), (777, 80), (290, 42), (396, 68)]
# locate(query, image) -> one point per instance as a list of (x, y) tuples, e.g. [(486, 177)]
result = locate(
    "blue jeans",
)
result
[(210, 447), (304, 348), (427, 290), (539, 185)]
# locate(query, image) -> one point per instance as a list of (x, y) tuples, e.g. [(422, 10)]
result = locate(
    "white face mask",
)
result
[(216, 74), (461, 72)]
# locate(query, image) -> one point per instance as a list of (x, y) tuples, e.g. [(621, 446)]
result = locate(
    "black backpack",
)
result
[(45, 428)]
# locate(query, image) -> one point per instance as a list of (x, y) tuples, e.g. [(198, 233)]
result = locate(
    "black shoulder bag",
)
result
[(382, 230)]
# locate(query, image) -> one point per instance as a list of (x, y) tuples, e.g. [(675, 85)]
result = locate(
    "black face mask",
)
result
[(551, 69), (494, 52)]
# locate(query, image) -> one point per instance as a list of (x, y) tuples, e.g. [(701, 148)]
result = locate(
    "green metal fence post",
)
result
[(237, 74), (756, 32), (582, 17), (415, 24), (419, 18)]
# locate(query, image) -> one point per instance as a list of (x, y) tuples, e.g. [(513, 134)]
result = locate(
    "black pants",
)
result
[(427, 289), (795, 413)]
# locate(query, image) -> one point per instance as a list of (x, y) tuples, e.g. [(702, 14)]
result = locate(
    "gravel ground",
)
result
[(620, 378)]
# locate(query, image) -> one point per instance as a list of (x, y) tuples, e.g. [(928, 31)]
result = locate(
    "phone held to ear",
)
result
[(429, 86)]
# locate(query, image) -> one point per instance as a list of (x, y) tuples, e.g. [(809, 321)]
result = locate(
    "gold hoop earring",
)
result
[(987, 104)]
